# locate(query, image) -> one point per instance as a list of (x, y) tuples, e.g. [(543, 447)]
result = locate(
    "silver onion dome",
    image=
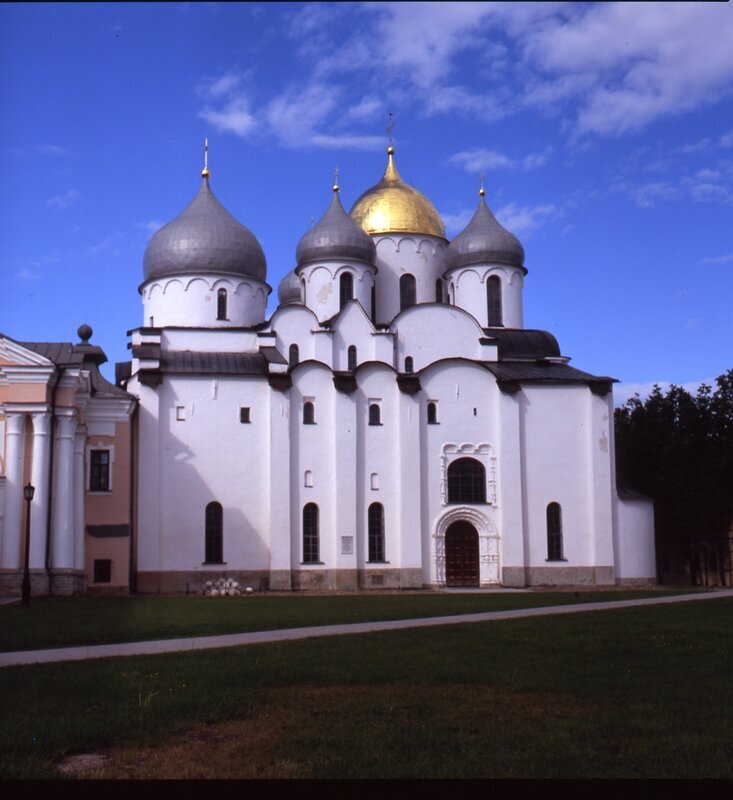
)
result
[(204, 239), (336, 236), (484, 240), (289, 289)]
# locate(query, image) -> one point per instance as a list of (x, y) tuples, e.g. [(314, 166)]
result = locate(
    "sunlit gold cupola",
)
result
[(392, 206)]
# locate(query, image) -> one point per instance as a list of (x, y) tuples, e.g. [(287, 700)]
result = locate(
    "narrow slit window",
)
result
[(351, 358), (293, 356), (375, 414), (554, 532), (376, 532), (407, 292), (409, 365), (309, 413), (214, 535), (244, 417), (346, 289), (221, 304), (310, 534), (432, 414), (493, 301), (438, 291)]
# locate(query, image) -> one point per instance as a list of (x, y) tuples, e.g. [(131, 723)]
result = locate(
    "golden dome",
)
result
[(394, 207)]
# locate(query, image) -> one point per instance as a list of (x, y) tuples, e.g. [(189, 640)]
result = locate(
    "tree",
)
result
[(678, 449)]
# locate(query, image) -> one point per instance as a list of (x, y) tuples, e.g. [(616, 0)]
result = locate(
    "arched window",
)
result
[(438, 291), (409, 366), (351, 358), (376, 532), (375, 414), (407, 291), (346, 288), (493, 301), (466, 481), (214, 538), (221, 304), (309, 413), (293, 355), (310, 534), (432, 414), (554, 532)]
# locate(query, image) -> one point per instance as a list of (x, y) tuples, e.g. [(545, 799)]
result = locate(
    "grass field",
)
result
[(66, 621), (630, 693)]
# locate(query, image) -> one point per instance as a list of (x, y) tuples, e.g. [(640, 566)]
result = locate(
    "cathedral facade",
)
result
[(392, 425)]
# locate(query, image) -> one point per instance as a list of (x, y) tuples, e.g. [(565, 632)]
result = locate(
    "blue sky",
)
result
[(605, 132)]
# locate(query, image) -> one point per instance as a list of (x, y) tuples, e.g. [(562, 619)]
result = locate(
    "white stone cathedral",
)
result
[(392, 424)]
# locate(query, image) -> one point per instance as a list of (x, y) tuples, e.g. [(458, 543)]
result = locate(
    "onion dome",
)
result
[(484, 241), (204, 239), (336, 236), (289, 289), (392, 206)]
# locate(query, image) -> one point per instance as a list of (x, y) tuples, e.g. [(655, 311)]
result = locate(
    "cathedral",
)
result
[(391, 426)]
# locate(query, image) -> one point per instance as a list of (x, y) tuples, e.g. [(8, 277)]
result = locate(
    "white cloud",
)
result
[(215, 88), (63, 201), (233, 117), (28, 275), (646, 196), (726, 140), (524, 220), (480, 159), (455, 223), (369, 108), (151, 226), (726, 259), (347, 141), (53, 150)]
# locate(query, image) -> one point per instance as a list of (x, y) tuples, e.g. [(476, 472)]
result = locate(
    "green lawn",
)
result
[(66, 621), (640, 692)]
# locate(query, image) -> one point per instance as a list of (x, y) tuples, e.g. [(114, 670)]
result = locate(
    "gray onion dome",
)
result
[(204, 239), (335, 237), (484, 241), (289, 289)]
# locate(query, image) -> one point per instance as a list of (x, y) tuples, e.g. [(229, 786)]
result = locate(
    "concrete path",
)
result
[(290, 634)]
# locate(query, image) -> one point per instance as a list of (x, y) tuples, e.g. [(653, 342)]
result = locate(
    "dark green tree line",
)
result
[(678, 449)]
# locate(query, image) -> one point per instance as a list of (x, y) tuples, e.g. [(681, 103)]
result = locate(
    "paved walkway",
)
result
[(290, 634)]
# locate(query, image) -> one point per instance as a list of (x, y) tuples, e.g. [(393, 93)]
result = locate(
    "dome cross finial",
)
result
[(205, 171), (336, 179), (390, 127), (481, 190)]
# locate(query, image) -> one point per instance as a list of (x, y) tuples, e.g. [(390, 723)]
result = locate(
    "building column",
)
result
[(15, 429), (62, 532), (79, 492), (39, 478)]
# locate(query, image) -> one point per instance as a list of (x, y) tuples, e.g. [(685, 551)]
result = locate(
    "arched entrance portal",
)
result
[(461, 555)]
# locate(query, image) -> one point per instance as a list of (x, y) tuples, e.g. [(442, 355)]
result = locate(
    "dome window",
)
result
[(346, 289), (293, 356), (493, 302), (351, 358), (407, 292), (221, 304)]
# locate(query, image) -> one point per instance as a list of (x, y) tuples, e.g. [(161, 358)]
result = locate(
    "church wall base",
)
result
[(194, 582), (558, 576), (11, 583), (636, 583)]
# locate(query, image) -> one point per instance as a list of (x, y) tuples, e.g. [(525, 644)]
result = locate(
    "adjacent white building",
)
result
[(392, 425)]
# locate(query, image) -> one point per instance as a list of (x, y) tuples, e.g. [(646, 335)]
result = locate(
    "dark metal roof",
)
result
[(541, 373), (336, 236), (626, 491), (484, 241), (521, 343), (213, 363), (62, 354), (289, 289), (204, 239)]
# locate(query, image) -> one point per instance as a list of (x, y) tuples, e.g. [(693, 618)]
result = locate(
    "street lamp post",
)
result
[(28, 491)]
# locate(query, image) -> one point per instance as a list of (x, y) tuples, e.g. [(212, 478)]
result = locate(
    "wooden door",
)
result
[(461, 555)]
